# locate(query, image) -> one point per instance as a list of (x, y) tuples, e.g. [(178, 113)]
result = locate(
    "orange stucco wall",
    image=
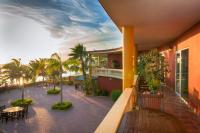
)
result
[(170, 59), (190, 40)]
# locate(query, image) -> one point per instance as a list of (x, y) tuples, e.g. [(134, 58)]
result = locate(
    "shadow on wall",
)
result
[(194, 102)]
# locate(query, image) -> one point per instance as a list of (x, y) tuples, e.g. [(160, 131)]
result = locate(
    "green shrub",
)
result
[(62, 106), (95, 87), (53, 91), (19, 102), (115, 94), (70, 83), (104, 93), (87, 87), (97, 92)]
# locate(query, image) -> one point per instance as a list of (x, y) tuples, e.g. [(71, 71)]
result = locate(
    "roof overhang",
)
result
[(156, 22), (107, 51)]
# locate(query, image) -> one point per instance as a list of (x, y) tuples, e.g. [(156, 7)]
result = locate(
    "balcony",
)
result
[(123, 117), (105, 72), (124, 104)]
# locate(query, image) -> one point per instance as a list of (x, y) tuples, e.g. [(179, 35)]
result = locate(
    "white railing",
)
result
[(125, 103), (114, 73)]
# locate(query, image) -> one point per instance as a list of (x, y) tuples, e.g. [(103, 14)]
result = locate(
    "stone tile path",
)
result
[(83, 117)]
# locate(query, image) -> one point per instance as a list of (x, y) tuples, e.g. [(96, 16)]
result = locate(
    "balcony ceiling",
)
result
[(156, 22)]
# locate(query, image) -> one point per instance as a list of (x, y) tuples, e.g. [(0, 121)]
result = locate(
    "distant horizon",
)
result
[(28, 61)]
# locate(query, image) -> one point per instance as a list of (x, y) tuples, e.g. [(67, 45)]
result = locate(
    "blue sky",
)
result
[(31, 29)]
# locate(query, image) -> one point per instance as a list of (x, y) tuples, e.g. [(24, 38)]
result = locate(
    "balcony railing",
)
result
[(124, 104), (114, 73)]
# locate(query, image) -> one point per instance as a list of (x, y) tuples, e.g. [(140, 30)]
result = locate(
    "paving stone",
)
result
[(84, 117)]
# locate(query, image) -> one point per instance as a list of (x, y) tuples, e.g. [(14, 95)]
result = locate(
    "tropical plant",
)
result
[(15, 70), (25, 77), (79, 52), (72, 65), (19, 102), (115, 94), (53, 91), (62, 106), (3, 79), (41, 68), (26, 73), (153, 67), (53, 73), (56, 63), (34, 66)]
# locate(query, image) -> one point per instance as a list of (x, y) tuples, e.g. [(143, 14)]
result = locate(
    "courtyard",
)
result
[(84, 117)]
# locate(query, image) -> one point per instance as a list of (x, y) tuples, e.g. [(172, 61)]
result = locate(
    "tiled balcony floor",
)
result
[(175, 106), (176, 115)]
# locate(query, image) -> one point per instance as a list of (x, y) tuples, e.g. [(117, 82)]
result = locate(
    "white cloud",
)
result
[(24, 38), (69, 21)]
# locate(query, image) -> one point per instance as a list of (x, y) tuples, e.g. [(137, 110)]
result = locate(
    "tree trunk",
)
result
[(34, 81), (22, 93), (69, 75), (83, 69), (61, 89), (54, 84), (43, 81), (90, 74), (22, 90)]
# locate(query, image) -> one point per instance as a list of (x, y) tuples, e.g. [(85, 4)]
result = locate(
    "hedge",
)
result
[(62, 106)]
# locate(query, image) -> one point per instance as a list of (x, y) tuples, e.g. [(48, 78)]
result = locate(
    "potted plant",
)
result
[(152, 67)]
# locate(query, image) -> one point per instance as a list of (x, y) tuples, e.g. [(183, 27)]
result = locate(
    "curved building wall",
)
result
[(109, 84)]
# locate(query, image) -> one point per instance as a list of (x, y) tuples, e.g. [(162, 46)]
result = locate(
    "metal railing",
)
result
[(114, 73), (125, 103)]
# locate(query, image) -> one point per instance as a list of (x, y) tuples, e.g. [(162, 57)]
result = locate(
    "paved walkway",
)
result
[(83, 117)]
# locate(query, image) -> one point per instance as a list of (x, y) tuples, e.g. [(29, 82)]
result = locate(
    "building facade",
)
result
[(107, 68)]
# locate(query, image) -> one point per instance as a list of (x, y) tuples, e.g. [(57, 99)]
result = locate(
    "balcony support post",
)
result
[(129, 62), (129, 56)]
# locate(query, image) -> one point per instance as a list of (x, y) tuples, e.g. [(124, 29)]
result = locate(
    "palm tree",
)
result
[(79, 52), (34, 65), (56, 63), (53, 73), (2, 77), (41, 68), (26, 76), (13, 70), (18, 72), (72, 65)]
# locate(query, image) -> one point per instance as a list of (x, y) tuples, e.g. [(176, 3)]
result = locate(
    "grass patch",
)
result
[(19, 102), (115, 95), (53, 91), (62, 106)]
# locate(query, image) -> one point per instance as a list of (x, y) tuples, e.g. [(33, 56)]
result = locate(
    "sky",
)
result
[(31, 29)]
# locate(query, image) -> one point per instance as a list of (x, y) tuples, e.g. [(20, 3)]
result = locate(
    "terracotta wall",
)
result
[(117, 57), (190, 40), (170, 59), (109, 84)]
